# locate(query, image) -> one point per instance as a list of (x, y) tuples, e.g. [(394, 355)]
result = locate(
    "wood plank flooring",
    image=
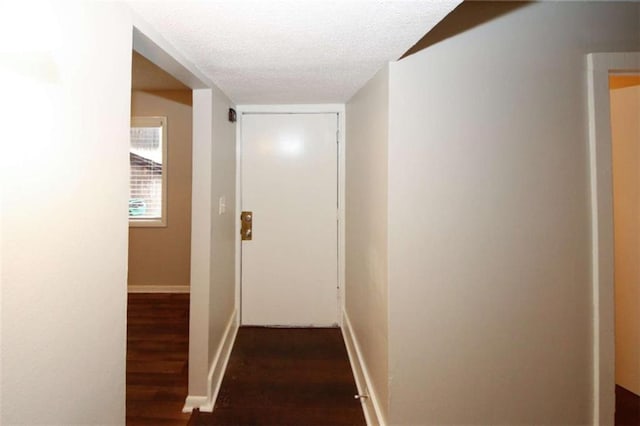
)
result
[(157, 354), (284, 376), (275, 376)]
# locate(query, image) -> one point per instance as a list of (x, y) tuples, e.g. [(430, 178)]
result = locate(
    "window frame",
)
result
[(153, 121)]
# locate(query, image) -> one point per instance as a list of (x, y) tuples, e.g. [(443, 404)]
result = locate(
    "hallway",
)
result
[(286, 376), (473, 211), (274, 376)]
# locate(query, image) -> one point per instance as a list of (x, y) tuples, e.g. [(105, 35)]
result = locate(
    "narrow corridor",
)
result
[(286, 376)]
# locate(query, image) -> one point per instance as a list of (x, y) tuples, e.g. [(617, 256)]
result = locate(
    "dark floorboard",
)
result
[(286, 376), (276, 376), (627, 407), (157, 354)]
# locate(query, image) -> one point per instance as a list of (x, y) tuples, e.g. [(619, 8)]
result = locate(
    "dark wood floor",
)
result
[(286, 376), (274, 377), (627, 407), (157, 354)]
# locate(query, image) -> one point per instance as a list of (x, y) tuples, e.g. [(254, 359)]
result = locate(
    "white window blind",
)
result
[(148, 177)]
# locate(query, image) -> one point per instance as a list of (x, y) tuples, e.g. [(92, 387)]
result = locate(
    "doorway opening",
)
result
[(601, 67), (160, 181), (159, 258), (212, 314), (625, 143)]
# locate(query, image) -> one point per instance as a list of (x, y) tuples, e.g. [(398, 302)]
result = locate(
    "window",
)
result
[(148, 172)]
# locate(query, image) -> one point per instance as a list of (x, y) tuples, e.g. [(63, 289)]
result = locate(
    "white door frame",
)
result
[(293, 109), (599, 67)]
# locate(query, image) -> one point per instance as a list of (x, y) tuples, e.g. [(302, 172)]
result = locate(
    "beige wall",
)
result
[(161, 256), (64, 174), (625, 130), (366, 293), (489, 216)]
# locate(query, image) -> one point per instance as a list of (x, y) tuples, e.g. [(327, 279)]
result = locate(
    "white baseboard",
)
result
[(194, 402), (158, 289), (216, 370), (371, 405)]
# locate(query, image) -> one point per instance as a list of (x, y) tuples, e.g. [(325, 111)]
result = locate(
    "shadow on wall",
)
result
[(182, 97), (468, 15)]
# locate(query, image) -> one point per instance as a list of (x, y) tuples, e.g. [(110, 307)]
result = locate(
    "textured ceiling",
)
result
[(292, 51)]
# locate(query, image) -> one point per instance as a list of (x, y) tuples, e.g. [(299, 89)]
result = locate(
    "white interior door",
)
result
[(289, 183)]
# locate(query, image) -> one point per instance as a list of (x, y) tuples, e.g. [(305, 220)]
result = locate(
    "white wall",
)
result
[(64, 164), (489, 236), (366, 293), (625, 142), (201, 208), (212, 240), (223, 227)]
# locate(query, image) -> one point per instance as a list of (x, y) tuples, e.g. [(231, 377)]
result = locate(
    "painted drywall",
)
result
[(161, 256), (223, 230), (625, 144), (212, 237), (64, 175), (147, 76), (620, 81), (366, 293), (201, 208), (489, 227)]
